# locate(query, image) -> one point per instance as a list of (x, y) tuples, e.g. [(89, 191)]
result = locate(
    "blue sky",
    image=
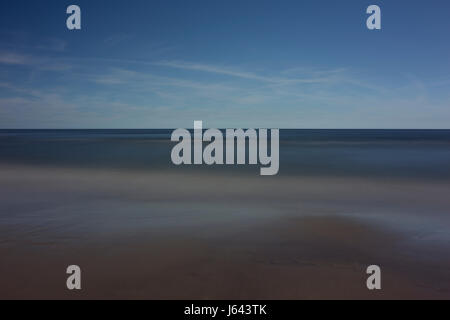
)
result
[(277, 64)]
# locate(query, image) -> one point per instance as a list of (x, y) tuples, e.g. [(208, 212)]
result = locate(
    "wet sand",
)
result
[(148, 235)]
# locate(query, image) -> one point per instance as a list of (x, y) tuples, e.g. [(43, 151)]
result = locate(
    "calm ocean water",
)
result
[(421, 154)]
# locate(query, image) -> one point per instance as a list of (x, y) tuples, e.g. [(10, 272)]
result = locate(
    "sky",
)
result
[(232, 64)]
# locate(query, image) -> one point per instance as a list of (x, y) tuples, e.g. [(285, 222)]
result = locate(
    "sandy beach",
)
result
[(165, 235)]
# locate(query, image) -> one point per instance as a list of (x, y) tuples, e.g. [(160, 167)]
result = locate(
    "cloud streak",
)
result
[(10, 58), (320, 78)]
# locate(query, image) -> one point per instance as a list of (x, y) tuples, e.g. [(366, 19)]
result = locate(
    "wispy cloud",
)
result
[(21, 40), (316, 78), (14, 58), (212, 69), (39, 63), (137, 93)]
